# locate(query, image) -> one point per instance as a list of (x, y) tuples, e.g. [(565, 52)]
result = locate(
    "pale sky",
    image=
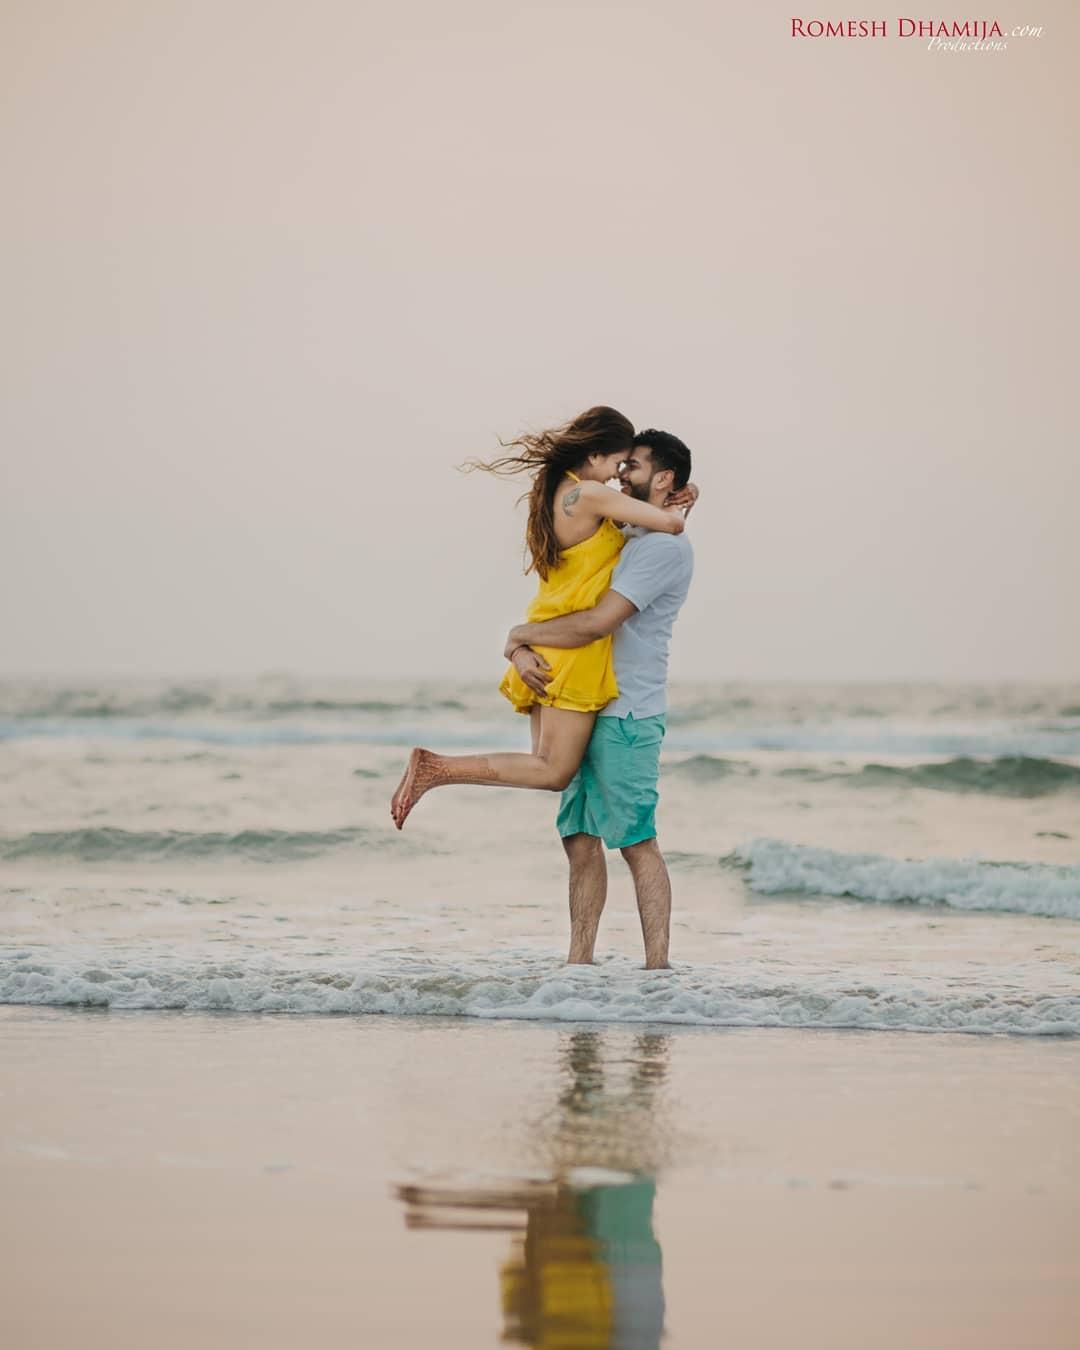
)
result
[(271, 270)]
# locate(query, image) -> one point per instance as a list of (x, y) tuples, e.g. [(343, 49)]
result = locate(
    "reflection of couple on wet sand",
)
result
[(589, 666), (585, 1268)]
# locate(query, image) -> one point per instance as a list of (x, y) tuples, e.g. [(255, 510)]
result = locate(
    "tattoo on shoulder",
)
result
[(569, 500)]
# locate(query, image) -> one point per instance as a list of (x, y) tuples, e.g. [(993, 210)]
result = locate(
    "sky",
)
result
[(272, 271)]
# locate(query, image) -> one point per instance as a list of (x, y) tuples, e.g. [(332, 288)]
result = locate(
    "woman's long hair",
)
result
[(548, 456)]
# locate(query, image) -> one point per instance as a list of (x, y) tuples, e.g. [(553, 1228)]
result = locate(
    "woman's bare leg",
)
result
[(559, 746)]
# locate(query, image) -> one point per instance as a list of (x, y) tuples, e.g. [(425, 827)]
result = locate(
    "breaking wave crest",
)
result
[(775, 867), (529, 987)]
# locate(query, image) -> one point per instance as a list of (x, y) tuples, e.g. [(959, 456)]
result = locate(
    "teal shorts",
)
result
[(613, 794)]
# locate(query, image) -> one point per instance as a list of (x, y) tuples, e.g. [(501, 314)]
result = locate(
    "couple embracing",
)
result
[(589, 667)]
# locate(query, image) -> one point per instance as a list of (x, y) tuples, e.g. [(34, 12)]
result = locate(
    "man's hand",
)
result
[(533, 669), (573, 630), (685, 497)]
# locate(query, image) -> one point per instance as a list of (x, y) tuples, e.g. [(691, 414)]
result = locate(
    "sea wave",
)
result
[(726, 718), (384, 728), (532, 988), (1005, 776), (104, 844), (39, 701), (403, 724), (709, 768), (886, 738), (775, 867)]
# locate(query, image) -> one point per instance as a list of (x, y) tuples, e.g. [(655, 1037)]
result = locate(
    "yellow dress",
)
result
[(582, 678)]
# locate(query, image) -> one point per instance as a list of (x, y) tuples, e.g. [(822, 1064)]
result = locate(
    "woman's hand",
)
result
[(533, 669), (684, 498), (514, 640), (606, 502)]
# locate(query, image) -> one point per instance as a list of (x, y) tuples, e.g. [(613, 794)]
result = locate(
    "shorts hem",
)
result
[(569, 833), (635, 837)]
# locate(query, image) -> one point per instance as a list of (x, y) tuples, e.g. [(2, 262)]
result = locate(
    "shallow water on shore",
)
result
[(404, 1181)]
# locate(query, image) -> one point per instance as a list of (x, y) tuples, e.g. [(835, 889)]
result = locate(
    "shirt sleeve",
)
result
[(656, 565)]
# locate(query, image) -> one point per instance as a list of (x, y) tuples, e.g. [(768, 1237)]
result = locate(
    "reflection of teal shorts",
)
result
[(613, 794)]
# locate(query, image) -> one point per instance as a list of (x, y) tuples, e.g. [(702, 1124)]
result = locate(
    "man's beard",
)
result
[(642, 491)]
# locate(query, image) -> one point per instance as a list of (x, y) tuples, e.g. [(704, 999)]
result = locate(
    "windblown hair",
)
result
[(548, 456)]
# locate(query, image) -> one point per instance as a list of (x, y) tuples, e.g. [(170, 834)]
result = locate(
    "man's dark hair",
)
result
[(666, 452)]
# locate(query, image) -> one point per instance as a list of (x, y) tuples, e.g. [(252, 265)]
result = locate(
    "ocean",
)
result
[(900, 857), (271, 1071)]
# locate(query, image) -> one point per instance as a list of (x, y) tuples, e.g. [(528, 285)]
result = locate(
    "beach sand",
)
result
[(179, 1178)]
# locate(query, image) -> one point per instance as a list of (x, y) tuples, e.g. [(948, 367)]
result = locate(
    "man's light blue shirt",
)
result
[(654, 574)]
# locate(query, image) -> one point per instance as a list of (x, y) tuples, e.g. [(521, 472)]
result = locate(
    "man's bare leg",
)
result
[(652, 886), (588, 891), (562, 738)]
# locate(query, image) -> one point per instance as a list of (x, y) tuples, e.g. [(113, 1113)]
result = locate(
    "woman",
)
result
[(574, 544)]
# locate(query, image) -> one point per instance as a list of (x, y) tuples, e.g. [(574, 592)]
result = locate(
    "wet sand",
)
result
[(180, 1178)]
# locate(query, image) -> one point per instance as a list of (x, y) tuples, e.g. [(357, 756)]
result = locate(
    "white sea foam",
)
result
[(524, 985), (775, 867)]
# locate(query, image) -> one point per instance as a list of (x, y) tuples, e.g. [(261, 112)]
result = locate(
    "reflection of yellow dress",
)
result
[(582, 678)]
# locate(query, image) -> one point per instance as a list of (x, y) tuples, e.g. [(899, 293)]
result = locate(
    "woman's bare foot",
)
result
[(415, 781)]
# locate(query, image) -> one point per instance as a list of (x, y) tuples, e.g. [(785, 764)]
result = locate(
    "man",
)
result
[(612, 798)]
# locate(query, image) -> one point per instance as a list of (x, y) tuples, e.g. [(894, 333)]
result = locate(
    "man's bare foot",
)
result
[(415, 781)]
